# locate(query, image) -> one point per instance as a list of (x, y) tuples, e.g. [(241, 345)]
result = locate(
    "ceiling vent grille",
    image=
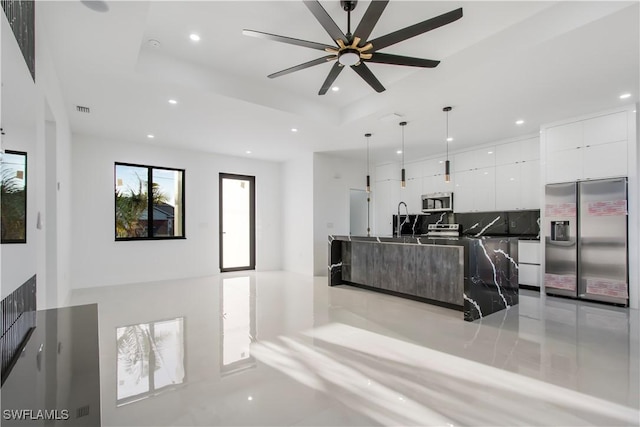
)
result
[(81, 109)]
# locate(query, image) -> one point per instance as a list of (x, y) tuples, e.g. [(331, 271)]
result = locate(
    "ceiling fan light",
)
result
[(347, 57)]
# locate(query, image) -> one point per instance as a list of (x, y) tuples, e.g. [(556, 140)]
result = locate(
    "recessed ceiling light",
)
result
[(150, 136), (248, 151), (625, 96), (441, 161), (194, 37), (519, 122), (399, 152), (173, 101), (294, 130), (335, 88), (250, 398), (449, 139), (489, 152)]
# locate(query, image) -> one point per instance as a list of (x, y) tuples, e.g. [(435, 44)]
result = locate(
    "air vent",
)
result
[(81, 109), (82, 411)]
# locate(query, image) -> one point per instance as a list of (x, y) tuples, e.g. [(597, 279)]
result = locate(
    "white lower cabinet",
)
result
[(529, 275), (529, 262)]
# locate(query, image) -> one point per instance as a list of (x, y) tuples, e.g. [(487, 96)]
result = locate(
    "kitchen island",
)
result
[(478, 276)]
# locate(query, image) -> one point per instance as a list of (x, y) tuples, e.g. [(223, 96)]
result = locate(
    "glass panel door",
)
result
[(237, 222)]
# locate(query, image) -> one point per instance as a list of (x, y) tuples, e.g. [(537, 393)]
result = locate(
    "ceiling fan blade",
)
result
[(333, 74), (370, 18), (288, 40), (303, 66), (417, 29), (325, 20), (368, 77), (385, 58)]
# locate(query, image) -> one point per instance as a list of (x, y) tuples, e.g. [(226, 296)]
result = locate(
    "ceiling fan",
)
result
[(355, 49)]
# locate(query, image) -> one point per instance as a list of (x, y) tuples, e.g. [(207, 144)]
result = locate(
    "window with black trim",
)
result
[(149, 202), (13, 197)]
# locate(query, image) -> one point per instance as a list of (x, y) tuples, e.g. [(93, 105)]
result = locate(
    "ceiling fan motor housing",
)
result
[(348, 5)]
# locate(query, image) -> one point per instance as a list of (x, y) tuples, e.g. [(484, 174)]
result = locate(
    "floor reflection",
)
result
[(238, 325), (276, 348), (150, 358)]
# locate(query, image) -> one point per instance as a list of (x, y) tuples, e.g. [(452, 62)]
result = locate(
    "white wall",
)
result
[(54, 133), (19, 96), (44, 133), (298, 214), (333, 177), (99, 260)]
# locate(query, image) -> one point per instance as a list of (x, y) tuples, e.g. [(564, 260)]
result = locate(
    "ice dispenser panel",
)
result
[(560, 231)]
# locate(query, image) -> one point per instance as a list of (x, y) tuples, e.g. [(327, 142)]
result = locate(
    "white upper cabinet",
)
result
[(604, 160), (388, 171), (604, 129), (518, 186), (508, 183), (475, 190), (508, 153), (475, 159), (564, 137), (588, 149), (530, 188), (518, 151), (530, 149)]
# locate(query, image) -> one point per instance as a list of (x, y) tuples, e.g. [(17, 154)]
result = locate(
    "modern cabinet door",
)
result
[(589, 149), (412, 195), (475, 190), (564, 137), (475, 159), (385, 195), (530, 189), (485, 189), (605, 129), (508, 186), (463, 197), (605, 160), (564, 166)]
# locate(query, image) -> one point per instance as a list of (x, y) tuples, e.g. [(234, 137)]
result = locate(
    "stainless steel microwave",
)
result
[(437, 202)]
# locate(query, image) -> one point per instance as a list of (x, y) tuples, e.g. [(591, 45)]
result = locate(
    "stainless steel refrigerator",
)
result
[(586, 240)]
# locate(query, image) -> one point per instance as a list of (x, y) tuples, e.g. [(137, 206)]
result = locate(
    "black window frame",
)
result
[(26, 203), (150, 203)]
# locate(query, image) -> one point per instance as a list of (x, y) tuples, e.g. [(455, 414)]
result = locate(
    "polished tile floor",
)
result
[(276, 348)]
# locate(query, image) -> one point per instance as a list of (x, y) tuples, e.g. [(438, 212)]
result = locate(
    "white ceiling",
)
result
[(538, 61)]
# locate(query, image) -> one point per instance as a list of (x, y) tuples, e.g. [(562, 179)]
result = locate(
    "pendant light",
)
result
[(447, 166), (403, 182), (367, 135)]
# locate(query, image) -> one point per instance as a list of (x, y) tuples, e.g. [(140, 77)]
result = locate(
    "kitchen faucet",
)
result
[(406, 209)]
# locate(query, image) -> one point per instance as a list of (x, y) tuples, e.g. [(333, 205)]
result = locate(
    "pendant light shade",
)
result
[(447, 165), (368, 135), (403, 181)]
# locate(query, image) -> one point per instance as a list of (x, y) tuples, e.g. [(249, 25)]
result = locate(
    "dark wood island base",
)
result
[(478, 276)]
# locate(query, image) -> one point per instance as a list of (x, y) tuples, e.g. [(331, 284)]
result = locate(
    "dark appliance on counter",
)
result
[(586, 253), (437, 202), (443, 230)]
